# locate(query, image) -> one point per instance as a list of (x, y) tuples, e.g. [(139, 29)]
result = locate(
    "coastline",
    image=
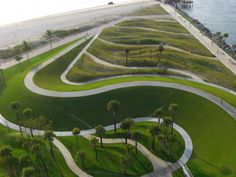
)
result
[(26, 30)]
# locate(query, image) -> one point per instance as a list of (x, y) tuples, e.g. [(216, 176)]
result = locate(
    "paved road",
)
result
[(228, 61), (161, 168)]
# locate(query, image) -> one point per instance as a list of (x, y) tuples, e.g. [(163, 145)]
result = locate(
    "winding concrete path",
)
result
[(161, 168)]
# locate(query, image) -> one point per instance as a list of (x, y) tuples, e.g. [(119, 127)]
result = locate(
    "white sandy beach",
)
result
[(26, 30)]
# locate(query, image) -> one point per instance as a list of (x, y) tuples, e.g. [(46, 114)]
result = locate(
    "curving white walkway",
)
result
[(161, 168)]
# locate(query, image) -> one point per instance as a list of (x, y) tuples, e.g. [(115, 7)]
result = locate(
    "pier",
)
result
[(186, 3)]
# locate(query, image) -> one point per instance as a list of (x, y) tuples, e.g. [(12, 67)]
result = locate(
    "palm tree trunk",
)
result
[(126, 60), (126, 137), (31, 132), (77, 141), (51, 148), (96, 153), (18, 118), (136, 147), (114, 120), (101, 141), (153, 143)]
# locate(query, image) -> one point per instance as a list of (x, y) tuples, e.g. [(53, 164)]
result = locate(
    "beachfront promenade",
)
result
[(227, 60)]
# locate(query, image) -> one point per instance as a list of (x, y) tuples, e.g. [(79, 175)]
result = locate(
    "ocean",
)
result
[(217, 15)]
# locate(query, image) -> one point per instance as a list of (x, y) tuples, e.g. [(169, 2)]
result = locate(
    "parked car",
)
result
[(111, 3)]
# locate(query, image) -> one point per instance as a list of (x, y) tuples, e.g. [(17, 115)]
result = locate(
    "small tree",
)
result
[(170, 139), (81, 155), (167, 121), (26, 47), (49, 36), (16, 106), (49, 136), (154, 131), (114, 107), (126, 126), (76, 132), (93, 142), (126, 56), (124, 162), (136, 136), (100, 131), (160, 50)]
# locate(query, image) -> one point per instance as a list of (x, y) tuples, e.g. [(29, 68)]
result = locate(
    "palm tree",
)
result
[(16, 106), (28, 172), (28, 114), (159, 113), (225, 35), (25, 160), (170, 140), (150, 57), (136, 136), (126, 56), (126, 125), (124, 162), (154, 131), (19, 58), (160, 50), (6, 154), (49, 36), (49, 136), (162, 139), (81, 155), (114, 107), (100, 131), (93, 142), (26, 47), (76, 132), (2, 76), (173, 108), (167, 121)]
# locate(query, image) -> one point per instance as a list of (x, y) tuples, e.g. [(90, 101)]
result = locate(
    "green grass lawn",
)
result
[(108, 159), (54, 166), (167, 26), (178, 173), (146, 140), (141, 36), (207, 124), (152, 10)]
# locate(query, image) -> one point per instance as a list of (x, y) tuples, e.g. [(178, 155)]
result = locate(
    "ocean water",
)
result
[(12, 11), (217, 15)]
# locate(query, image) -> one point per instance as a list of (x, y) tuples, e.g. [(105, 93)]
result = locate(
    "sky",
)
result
[(18, 10)]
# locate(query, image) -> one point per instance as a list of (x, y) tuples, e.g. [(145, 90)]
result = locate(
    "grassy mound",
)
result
[(168, 26), (152, 10), (210, 69), (107, 163), (88, 70), (141, 36)]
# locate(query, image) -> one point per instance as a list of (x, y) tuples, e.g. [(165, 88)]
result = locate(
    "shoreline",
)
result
[(59, 14), (26, 30)]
